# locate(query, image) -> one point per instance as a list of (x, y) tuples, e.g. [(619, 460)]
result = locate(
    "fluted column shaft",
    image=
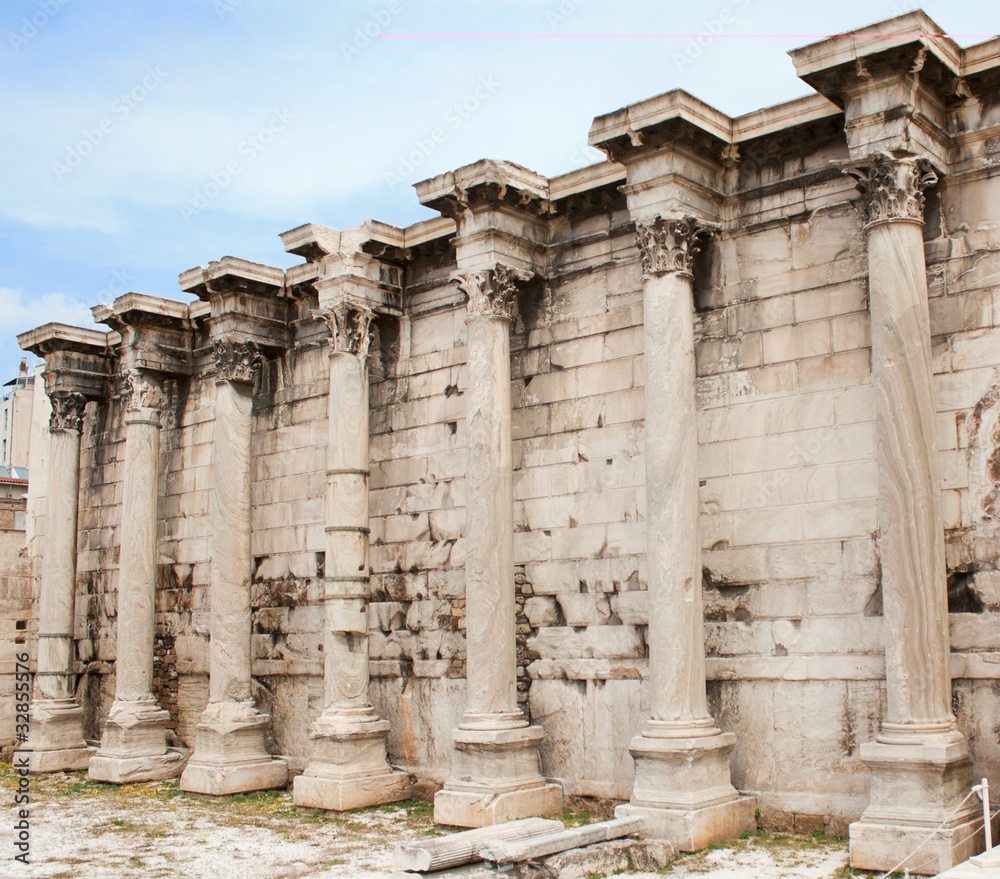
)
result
[(491, 664), (57, 598)]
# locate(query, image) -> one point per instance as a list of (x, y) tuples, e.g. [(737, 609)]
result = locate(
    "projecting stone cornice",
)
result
[(155, 333), (76, 358), (488, 182), (248, 301), (362, 264), (893, 45)]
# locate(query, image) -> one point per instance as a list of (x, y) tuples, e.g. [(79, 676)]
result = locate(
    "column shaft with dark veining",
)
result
[(137, 577), (133, 745), (56, 729), (676, 626), (495, 771), (683, 789), (911, 526), (229, 754), (920, 763), (489, 565), (56, 601), (229, 679)]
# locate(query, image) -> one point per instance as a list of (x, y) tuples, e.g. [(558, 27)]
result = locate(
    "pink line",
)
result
[(672, 36)]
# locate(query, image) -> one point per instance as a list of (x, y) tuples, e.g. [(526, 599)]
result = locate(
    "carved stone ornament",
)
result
[(237, 361), (491, 292), (141, 392), (350, 329), (67, 410), (667, 245), (891, 188)]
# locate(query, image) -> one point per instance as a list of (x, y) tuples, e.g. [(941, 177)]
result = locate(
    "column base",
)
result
[(914, 788), (229, 754), (128, 770), (349, 767), (683, 790), (694, 829), (496, 778), (134, 746), (56, 739)]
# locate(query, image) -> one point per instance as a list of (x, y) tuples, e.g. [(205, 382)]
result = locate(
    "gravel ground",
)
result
[(86, 830)]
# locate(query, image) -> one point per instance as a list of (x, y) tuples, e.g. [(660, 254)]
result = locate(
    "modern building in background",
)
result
[(15, 419)]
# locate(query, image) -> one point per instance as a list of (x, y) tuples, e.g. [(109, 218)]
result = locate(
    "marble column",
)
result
[(56, 736), (229, 753), (682, 782), (133, 747), (920, 764), (495, 765), (349, 765)]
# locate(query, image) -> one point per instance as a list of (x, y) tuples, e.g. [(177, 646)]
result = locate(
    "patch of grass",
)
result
[(576, 819)]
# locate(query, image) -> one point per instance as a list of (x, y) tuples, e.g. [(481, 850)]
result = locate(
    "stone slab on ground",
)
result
[(979, 867)]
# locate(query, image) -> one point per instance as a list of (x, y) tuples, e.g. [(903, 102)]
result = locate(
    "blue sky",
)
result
[(143, 138)]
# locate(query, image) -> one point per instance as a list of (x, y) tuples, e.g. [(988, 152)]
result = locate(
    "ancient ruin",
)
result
[(672, 479)]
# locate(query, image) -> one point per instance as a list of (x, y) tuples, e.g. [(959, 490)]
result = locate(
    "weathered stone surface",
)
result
[(822, 364)]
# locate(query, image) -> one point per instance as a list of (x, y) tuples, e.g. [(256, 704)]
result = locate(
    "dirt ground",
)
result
[(81, 828)]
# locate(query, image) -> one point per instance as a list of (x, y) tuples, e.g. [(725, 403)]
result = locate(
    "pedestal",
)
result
[(683, 792), (134, 746), (914, 789), (230, 757), (495, 777), (348, 769), (56, 739)]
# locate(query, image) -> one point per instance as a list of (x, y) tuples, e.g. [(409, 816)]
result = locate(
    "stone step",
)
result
[(512, 851), (462, 848)]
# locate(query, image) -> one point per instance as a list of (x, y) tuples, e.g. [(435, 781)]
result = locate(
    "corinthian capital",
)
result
[(491, 291), (350, 328), (891, 188), (67, 410), (667, 245), (142, 391), (236, 360)]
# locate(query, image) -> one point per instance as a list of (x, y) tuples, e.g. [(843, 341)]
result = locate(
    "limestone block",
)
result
[(816, 559), (387, 616), (541, 611), (401, 529), (446, 584), (447, 524), (797, 342), (632, 608), (429, 614), (584, 609)]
